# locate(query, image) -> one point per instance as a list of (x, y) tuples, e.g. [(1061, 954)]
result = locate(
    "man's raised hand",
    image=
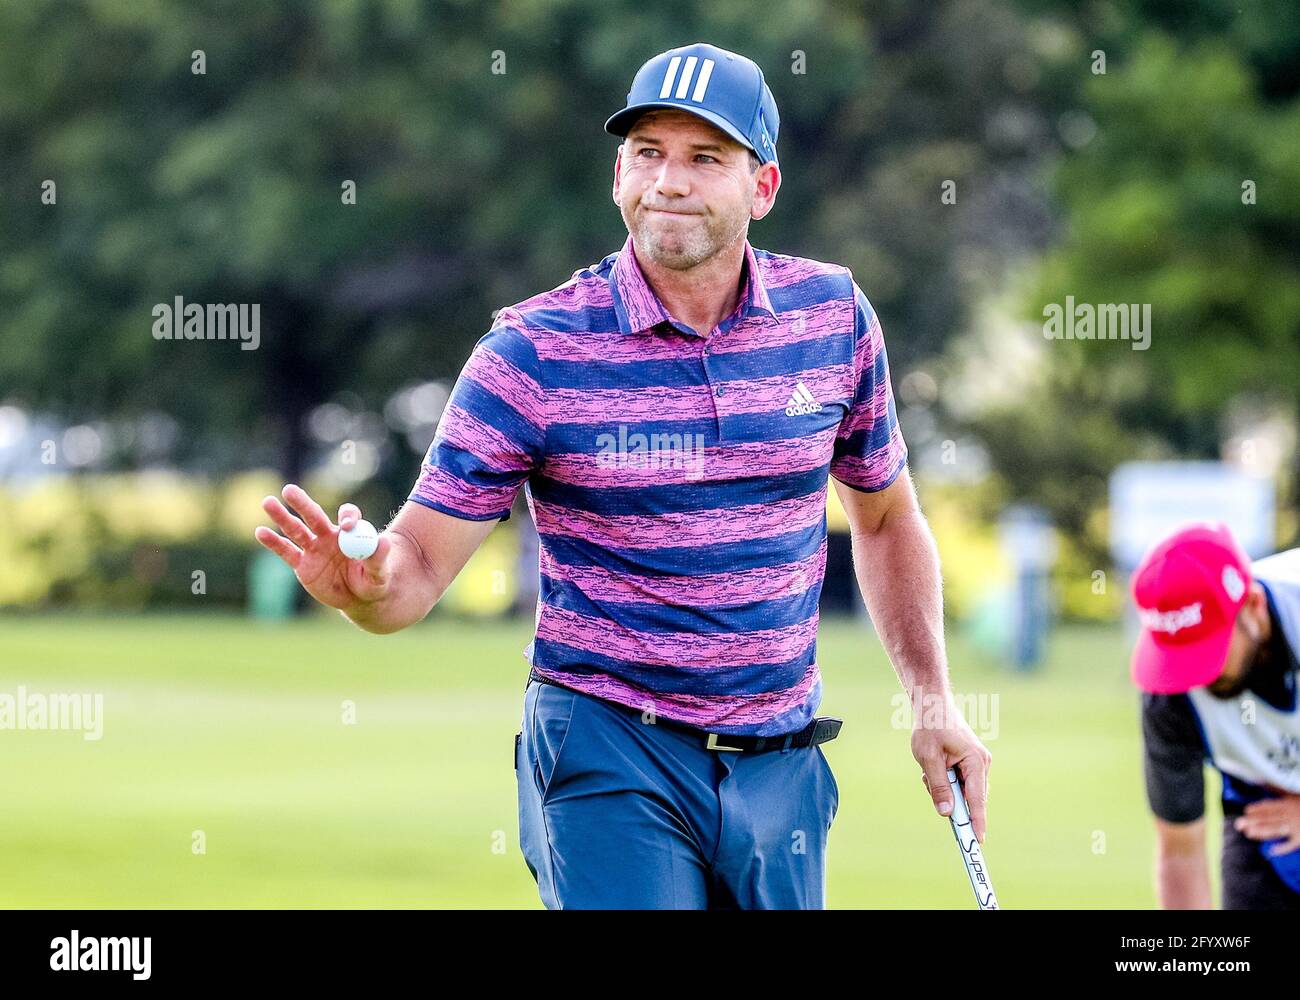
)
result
[(310, 546)]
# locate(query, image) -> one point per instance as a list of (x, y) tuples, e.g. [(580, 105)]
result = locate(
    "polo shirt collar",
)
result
[(638, 307)]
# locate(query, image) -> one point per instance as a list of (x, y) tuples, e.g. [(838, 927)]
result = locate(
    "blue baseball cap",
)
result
[(723, 88)]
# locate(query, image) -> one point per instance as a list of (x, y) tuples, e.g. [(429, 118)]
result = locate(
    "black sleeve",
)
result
[(1173, 755)]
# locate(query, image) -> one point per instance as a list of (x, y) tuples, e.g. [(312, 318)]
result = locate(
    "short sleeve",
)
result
[(1173, 754), (493, 430), (869, 451)]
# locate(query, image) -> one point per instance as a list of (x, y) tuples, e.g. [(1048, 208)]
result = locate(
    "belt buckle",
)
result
[(713, 744)]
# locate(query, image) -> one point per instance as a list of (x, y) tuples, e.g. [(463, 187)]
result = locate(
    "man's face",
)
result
[(685, 188), (1247, 637)]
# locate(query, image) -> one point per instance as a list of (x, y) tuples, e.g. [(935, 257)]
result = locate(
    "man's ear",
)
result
[(766, 183), (1256, 609), (618, 163)]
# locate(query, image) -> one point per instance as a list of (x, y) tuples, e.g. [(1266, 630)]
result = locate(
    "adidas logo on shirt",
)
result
[(801, 402)]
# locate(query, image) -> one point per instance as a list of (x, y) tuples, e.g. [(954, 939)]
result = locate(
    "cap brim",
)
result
[(1177, 669), (621, 123)]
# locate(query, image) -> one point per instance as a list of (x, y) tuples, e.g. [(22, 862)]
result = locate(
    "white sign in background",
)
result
[(1148, 500)]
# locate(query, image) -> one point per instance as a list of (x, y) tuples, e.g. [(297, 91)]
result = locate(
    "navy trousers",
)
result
[(616, 812)]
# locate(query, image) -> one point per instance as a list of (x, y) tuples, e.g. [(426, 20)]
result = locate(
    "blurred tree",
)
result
[(474, 188), (1195, 102)]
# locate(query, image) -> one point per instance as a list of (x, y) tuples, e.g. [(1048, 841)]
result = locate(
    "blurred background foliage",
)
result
[(472, 132)]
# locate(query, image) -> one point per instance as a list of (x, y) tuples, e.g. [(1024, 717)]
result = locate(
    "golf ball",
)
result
[(360, 542)]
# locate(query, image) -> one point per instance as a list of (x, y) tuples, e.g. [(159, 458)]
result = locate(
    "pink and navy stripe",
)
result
[(678, 481)]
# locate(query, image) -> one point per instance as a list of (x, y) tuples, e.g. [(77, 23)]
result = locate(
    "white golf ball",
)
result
[(360, 542)]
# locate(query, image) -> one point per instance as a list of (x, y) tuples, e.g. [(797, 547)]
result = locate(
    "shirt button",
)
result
[(720, 390)]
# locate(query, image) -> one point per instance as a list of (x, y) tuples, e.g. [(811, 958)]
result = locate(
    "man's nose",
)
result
[(672, 179)]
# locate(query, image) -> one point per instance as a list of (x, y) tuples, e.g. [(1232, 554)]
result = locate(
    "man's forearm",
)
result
[(412, 591), (1182, 881), (897, 567), (1182, 876)]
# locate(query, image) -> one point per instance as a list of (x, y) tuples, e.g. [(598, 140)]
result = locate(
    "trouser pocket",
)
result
[(830, 778), (549, 723)]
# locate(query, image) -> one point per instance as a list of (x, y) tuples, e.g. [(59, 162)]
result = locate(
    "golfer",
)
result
[(674, 412), (1216, 663)]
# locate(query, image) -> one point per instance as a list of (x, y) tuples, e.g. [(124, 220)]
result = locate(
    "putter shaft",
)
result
[(969, 844)]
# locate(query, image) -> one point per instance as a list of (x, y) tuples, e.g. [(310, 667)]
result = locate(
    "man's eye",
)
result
[(647, 149)]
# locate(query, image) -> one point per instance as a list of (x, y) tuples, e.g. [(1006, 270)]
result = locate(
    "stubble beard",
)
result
[(1228, 692), (685, 244), (1224, 692)]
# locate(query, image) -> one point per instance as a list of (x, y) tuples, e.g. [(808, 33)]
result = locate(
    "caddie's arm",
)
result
[(1182, 874), (1174, 772)]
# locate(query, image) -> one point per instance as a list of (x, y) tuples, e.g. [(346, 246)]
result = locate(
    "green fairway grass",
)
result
[(235, 728)]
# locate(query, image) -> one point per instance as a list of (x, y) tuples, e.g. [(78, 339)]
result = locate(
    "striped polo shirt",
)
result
[(677, 479)]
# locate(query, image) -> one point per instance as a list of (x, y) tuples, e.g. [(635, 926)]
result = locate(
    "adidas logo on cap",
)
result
[(801, 402)]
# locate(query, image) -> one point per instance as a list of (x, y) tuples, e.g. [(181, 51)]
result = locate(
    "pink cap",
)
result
[(1188, 590)]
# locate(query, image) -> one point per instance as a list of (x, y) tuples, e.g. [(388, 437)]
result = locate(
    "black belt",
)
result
[(819, 730)]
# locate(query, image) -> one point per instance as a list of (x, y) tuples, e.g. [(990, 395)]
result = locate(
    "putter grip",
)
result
[(969, 845)]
